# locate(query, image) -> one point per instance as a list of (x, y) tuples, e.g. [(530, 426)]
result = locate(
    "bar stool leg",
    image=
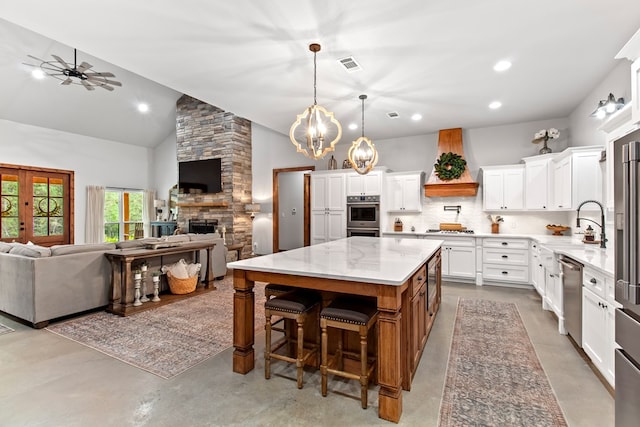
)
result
[(363, 368), (267, 346), (323, 366), (300, 355)]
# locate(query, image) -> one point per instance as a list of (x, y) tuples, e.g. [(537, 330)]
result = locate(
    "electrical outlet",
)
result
[(513, 225)]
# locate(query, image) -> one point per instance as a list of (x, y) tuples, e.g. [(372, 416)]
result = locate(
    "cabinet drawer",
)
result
[(506, 273), (419, 278), (594, 281), (505, 243), (505, 256)]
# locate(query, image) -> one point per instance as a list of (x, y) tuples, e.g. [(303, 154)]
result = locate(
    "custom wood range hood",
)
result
[(450, 141)]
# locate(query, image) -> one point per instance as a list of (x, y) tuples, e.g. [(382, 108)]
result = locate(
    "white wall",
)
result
[(164, 168), (94, 161)]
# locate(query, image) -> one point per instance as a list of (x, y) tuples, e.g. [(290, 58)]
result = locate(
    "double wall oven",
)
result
[(363, 216)]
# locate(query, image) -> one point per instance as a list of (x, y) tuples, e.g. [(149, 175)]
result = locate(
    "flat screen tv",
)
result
[(200, 176)]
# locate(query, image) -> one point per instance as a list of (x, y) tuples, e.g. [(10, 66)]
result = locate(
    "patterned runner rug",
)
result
[(168, 340), (494, 377), (5, 329)]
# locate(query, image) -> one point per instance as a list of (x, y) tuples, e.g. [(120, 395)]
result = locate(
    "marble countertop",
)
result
[(389, 261), (588, 254)]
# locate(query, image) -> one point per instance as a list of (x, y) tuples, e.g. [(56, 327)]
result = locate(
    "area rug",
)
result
[(494, 377), (5, 329), (168, 340)]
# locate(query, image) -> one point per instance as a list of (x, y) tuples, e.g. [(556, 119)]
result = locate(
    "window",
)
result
[(123, 214)]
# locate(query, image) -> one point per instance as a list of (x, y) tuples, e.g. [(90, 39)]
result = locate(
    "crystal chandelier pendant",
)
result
[(362, 154), (316, 131)]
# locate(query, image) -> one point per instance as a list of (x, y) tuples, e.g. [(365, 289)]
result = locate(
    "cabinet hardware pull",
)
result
[(505, 272), (504, 243), (599, 304), (504, 256), (593, 280)]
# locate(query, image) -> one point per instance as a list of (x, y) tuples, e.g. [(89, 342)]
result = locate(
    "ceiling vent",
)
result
[(393, 115), (350, 64)]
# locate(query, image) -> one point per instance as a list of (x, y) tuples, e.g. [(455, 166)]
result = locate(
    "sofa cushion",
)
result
[(5, 247), (74, 249), (137, 243), (32, 251)]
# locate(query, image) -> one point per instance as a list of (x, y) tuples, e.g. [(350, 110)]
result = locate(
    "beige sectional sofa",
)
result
[(39, 284)]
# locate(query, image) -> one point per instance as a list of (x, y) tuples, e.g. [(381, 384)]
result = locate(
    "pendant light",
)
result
[(362, 154), (316, 131)]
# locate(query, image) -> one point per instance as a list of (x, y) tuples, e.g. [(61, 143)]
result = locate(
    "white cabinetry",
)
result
[(537, 181), (577, 176), (537, 270), (598, 321), (404, 192), (505, 260), (631, 51), (328, 207), (503, 187), (364, 185), (458, 257)]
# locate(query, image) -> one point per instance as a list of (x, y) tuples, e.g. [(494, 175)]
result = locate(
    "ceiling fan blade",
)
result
[(61, 61), (84, 66), (100, 80), (107, 87), (97, 74), (67, 82), (87, 85), (37, 59)]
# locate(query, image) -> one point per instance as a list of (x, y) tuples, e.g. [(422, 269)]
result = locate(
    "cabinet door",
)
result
[(537, 185), (562, 184), (336, 225), (411, 194), (319, 229), (586, 178), (336, 199), (319, 192), (373, 184), (462, 262), (594, 330), (513, 189), (395, 193), (355, 185), (493, 189), (609, 356)]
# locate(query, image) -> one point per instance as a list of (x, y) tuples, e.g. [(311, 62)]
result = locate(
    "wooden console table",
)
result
[(122, 283)]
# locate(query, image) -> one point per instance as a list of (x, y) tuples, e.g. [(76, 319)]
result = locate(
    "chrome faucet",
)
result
[(603, 238)]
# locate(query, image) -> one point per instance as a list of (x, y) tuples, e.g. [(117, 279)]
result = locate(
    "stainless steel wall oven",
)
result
[(363, 212)]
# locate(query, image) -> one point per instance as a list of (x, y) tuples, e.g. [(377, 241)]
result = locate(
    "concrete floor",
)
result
[(47, 380)]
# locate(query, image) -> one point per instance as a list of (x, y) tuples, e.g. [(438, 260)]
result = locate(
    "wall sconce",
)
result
[(456, 208), (158, 204), (608, 106), (252, 208)]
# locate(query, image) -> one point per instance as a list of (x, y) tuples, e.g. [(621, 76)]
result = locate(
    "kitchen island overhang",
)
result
[(389, 269)]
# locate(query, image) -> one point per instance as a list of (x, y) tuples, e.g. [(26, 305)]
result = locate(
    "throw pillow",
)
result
[(178, 270)]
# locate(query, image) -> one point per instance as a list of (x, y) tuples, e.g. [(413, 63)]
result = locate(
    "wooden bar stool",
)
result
[(299, 305), (348, 314)]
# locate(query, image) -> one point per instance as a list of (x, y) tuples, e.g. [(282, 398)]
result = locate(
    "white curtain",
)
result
[(94, 221), (148, 211)]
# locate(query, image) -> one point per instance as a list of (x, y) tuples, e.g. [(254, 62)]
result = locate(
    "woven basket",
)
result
[(182, 286)]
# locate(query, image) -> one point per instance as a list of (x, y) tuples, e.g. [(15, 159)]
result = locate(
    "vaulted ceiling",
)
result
[(431, 57)]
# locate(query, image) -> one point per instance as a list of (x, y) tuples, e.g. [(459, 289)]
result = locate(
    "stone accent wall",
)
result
[(205, 132)]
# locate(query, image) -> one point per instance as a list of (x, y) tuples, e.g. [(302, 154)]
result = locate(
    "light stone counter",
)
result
[(389, 261)]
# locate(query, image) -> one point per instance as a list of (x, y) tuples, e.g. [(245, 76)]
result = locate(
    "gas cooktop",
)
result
[(433, 230)]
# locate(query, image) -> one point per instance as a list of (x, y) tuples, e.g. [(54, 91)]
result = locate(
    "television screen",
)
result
[(200, 176)]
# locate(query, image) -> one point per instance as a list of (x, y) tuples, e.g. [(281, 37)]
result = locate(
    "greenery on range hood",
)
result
[(451, 166)]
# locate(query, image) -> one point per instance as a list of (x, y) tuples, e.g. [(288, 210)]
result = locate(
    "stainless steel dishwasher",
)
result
[(571, 274)]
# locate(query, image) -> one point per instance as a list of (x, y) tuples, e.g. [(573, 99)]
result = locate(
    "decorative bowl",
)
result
[(557, 229)]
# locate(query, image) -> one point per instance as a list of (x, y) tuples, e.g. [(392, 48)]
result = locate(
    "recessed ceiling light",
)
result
[(416, 117), (495, 105), (353, 126), (38, 74), (502, 65), (143, 107)]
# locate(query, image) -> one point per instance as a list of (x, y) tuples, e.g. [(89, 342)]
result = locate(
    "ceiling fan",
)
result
[(78, 74)]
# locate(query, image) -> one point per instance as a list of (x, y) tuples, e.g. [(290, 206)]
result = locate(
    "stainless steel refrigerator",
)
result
[(627, 261)]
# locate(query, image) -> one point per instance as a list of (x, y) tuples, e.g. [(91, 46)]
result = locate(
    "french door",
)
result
[(36, 205)]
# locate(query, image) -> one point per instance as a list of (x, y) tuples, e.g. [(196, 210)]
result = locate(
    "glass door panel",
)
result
[(9, 212)]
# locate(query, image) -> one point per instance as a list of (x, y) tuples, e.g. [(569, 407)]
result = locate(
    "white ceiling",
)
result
[(430, 57)]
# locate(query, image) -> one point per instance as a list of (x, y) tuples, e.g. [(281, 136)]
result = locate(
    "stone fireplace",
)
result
[(204, 132)]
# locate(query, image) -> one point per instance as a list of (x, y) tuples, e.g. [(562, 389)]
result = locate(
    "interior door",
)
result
[(37, 205)]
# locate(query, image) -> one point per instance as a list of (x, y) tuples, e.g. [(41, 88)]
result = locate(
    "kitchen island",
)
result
[(392, 270)]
